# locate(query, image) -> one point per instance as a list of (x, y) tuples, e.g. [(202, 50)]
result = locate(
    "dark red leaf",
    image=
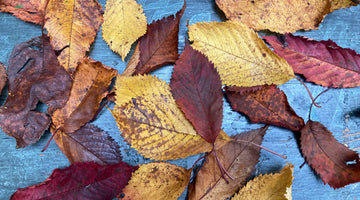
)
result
[(196, 87), (27, 10), (158, 47), (80, 181), (322, 62), (267, 105), (336, 164)]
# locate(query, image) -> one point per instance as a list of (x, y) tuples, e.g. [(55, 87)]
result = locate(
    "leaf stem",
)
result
[(47, 144), (266, 149), (318, 97), (307, 89)]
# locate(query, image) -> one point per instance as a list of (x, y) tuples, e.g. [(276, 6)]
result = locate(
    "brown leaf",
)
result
[(239, 159), (3, 77), (91, 82), (27, 10), (266, 105), (89, 143), (158, 47), (34, 76)]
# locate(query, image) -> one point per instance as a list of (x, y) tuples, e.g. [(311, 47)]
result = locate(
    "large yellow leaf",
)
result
[(124, 23), (72, 26), (270, 186), (240, 56), (152, 123), (157, 181)]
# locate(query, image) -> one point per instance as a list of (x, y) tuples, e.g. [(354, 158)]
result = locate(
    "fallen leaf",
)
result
[(152, 123), (158, 47), (239, 160), (267, 104), (335, 163), (91, 83), (322, 62), (72, 26), (27, 10), (89, 143), (280, 16), (3, 77), (160, 181), (269, 186), (124, 23), (35, 77), (196, 87), (239, 55), (80, 181)]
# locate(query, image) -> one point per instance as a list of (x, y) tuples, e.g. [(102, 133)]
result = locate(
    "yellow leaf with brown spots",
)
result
[(152, 123), (72, 26), (239, 55), (160, 181)]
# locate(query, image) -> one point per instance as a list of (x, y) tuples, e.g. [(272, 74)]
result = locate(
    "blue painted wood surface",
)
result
[(340, 108)]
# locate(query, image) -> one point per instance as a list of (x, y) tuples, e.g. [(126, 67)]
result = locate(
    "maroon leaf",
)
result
[(3, 77), (158, 47), (322, 62), (336, 164), (196, 87), (88, 181), (267, 105), (34, 76)]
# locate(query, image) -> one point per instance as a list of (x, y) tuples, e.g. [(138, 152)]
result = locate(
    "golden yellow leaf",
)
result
[(157, 181), (153, 124), (240, 56), (72, 26), (270, 186), (280, 16), (124, 23)]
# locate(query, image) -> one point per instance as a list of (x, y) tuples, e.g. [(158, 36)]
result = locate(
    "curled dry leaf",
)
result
[(161, 181), (3, 77), (89, 143), (35, 76), (152, 123), (81, 181), (27, 10), (72, 26), (267, 104), (239, 159), (159, 46), (124, 23), (336, 164), (280, 16), (322, 62), (268, 186), (239, 55)]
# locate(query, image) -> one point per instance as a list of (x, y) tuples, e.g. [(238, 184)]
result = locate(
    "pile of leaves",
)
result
[(164, 121)]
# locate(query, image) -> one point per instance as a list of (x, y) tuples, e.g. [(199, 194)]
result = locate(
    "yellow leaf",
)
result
[(72, 26), (157, 181), (269, 186), (240, 56), (124, 23), (153, 124)]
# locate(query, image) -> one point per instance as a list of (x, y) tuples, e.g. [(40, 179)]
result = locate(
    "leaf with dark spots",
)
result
[(239, 159), (196, 87), (27, 10), (158, 47), (3, 77), (335, 163), (322, 62), (34, 76), (268, 105), (80, 181), (89, 143)]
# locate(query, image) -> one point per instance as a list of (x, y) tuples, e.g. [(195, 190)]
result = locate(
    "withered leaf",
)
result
[(35, 76), (239, 159), (81, 181), (264, 104), (3, 77), (158, 47), (27, 10), (336, 164)]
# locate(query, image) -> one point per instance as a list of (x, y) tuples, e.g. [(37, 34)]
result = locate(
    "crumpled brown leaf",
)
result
[(3, 77)]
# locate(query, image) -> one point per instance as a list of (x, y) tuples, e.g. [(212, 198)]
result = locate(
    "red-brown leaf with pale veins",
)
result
[(196, 87), (264, 104), (336, 164), (322, 62), (27, 10)]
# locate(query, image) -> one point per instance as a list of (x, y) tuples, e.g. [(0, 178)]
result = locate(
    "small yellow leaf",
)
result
[(240, 56), (124, 23), (157, 181), (270, 186)]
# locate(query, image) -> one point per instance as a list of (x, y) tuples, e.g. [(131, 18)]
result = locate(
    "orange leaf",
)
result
[(27, 10)]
